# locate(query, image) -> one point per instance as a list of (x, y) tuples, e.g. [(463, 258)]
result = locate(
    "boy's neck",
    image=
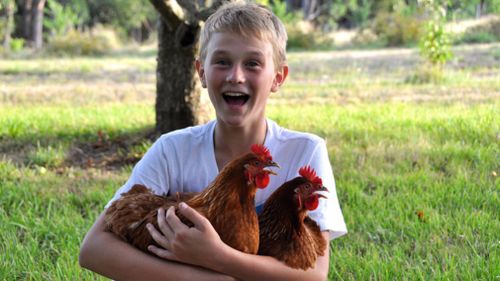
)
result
[(231, 142)]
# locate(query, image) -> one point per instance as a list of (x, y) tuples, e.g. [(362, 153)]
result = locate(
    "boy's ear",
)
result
[(201, 72), (279, 78)]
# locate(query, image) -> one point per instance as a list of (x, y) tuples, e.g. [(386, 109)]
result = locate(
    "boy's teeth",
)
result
[(234, 94)]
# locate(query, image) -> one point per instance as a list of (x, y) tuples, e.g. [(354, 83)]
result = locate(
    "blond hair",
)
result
[(247, 19)]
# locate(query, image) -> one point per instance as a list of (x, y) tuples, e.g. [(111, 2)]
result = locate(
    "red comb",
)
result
[(309, 173), (262, 152)]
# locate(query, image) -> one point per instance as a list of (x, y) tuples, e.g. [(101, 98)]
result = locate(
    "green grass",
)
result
[(394, 160), (415, 165)]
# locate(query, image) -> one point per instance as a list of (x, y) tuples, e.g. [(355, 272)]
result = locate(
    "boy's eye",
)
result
[(221, 62), (253, 63)]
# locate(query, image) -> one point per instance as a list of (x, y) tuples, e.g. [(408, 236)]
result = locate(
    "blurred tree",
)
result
[(435, 43), (7, 7), (469, 8), (124, 15), (25, 24), (311, 9), (37, 23), (352, 13), (293, 5), (178, 90), (59, 18)]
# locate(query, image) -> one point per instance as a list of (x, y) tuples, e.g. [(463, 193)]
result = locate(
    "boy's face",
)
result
[(239, 74)]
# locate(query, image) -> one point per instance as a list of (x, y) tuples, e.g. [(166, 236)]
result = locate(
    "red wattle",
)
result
[(312, 204), (262, 180)]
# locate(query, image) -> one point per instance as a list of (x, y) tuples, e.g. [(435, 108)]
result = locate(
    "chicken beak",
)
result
[(273, 164), (271, 172), (320, 195), (322, 189)]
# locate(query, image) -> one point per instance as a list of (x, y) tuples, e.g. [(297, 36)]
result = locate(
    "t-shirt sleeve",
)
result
[(328, 214), (151, 171)]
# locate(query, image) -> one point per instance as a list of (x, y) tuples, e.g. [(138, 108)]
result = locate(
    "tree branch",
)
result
[(188, 5), (170, 11), (203, 14)]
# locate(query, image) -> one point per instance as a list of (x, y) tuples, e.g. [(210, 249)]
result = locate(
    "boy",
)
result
[(242, 60)]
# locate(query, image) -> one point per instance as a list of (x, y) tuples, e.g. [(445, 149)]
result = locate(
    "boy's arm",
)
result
[(182, 243), (104, 253)]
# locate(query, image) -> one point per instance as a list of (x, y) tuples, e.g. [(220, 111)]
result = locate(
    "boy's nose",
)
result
[(235, 75)]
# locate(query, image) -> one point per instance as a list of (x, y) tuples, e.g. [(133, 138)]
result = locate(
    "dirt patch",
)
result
[(108, 154), (104, 153)]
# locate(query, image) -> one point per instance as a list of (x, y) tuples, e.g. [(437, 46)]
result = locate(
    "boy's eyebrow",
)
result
[(224, 52)]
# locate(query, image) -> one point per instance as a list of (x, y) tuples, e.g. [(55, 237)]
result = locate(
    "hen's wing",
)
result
[(126, 213), (139, 236)]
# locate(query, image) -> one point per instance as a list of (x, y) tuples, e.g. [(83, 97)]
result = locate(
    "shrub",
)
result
[(16, 44), (435, 43), (365, 37), (302, 35), (487, 33), (396, 29), (97, 42), (476, 37)]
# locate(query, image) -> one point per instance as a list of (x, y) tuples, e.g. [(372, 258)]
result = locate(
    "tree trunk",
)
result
[(310, 8), (292, 5), (179, 99), (26, 22), (9, 17), (178, 90), (37, 23), (480, 8)]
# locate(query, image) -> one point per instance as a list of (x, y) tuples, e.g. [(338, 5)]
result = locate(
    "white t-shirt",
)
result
[(184, 161)]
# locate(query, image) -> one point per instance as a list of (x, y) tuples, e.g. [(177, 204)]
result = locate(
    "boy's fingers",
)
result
[(163, 225), (173, 221), (162, 253), (191, 214), (156, 235)]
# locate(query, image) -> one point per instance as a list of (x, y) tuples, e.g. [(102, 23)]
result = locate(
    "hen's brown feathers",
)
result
[(127, 217), (286, 232), (228, 203)]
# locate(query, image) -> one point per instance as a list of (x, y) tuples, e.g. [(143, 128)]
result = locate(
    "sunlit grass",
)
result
[(67, 123)]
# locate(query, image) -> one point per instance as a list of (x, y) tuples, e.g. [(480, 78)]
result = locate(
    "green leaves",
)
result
[(435, 43)]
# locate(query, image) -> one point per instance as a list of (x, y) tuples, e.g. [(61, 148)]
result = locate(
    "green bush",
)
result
[(396, 29), (435, 44), (303, 36), (365, 37), (16, 44), (486, 33), (476, 37), (97, 42)]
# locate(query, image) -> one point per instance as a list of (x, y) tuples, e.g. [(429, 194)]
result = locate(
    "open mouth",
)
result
[(235, 98)]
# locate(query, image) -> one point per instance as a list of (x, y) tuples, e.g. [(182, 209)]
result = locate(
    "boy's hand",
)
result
[(198, 245)]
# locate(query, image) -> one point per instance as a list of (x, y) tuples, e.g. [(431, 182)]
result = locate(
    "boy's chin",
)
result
[(234, 121), (239, 121)]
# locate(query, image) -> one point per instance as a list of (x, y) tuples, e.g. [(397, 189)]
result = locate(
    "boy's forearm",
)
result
[(252, 267), (104, 253)]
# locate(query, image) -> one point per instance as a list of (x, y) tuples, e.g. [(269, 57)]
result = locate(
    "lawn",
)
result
[(416, 165)]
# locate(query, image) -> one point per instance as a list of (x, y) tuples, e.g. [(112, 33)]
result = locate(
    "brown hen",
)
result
[(286, 231), (228, 203)]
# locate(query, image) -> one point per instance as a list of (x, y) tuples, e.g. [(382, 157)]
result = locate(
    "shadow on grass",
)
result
[(105, 150)]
